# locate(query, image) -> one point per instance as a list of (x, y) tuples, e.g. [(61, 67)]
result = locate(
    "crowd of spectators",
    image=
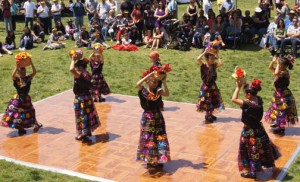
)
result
[(143, 21)]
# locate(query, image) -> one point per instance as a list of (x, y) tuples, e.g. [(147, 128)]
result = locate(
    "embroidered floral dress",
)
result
[(209, 96), (12, 117), (256, 149), (86, 115), (283, 107), (99, 85), (153, 144)]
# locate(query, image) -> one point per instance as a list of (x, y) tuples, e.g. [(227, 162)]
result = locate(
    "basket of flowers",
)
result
[(23, 59), (238, 73)]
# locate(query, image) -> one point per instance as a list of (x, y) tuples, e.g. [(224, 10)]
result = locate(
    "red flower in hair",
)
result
[(255, 83), (85, 59), (145, 73)]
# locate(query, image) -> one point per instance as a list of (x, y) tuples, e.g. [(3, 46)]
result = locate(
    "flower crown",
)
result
[(214, 44), (79, 51), (22, 55), (160, 70), (255, 84), (98, 47), (238, 73)]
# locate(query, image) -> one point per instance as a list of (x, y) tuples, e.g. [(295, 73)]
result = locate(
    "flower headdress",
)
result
[(98, 47), (290, 58), (255, 85), (79, 51), (22, 55), (162, 70), (238, 73), (214, 44)]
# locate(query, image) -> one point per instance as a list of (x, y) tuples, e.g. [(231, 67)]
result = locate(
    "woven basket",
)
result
[(24, 62)]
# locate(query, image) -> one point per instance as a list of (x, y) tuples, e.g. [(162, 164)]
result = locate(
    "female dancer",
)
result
[(86, 115), (155, 60), (209, 97), (256, 149), (98, 81), (153, 144), (20, 113), (283, 107)]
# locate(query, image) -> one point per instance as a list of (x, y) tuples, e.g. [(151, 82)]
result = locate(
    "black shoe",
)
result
[(102, 100), (209, 118), (37, 126), (248, 175), (21, 132), (214, 117)]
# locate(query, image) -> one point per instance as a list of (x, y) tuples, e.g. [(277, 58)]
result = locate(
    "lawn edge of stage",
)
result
[(288, 165), (55, 170)]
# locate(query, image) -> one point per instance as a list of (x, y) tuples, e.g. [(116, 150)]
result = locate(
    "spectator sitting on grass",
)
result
[(4, 50), (26, 40), (10, 42), (85, 39), (54, 41), (71, 29)]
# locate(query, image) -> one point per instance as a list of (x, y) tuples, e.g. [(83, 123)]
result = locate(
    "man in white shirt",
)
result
[(43, 14), (103, 10), (56, 11), (207, 5), (29, 8), (91, 6), (293, 37)]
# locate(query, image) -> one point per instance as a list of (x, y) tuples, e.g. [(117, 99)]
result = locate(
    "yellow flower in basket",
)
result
[(23, 59)]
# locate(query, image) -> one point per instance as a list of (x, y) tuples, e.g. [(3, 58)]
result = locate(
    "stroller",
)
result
[(176, 38)]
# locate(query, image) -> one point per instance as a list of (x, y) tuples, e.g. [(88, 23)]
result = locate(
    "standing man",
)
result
[(30, 9), (43, 14), (56, 11), (103, 10), (91, 6), (207, 5), (78, 13), (173, 9)]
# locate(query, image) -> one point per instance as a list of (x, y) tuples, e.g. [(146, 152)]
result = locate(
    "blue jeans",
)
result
[(25, 43), (104, 32), (259, 31), (42, 36), (293, 41), (8, 21), (78, 22), (29, 19), (56, 18), (198, 40)]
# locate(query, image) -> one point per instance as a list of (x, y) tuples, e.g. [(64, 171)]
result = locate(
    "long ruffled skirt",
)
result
[(153, 144), (86, 115), (99, 86), (282, 109), (209, 98), (13, 118), (256, 150)]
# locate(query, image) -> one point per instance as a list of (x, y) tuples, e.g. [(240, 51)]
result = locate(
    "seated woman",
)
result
[(4, 50), (26, 40), (10, 43), (71, 30), (38, 31), (157, 38), (148, 39), (54, 41), (126, 44)]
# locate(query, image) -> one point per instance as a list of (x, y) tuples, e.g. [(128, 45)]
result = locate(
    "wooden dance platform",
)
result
[(199, 151)]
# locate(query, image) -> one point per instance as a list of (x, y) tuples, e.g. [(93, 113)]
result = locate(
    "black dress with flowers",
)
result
[(209, 96), (153, 143), (282, 110), (98, 81), (256, 149), (86, 116), (12, 117)]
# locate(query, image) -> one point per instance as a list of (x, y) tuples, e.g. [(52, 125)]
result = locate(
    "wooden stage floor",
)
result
[(199, 151)]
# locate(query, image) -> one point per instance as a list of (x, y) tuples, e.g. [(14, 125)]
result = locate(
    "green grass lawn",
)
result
[(123, 69)]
